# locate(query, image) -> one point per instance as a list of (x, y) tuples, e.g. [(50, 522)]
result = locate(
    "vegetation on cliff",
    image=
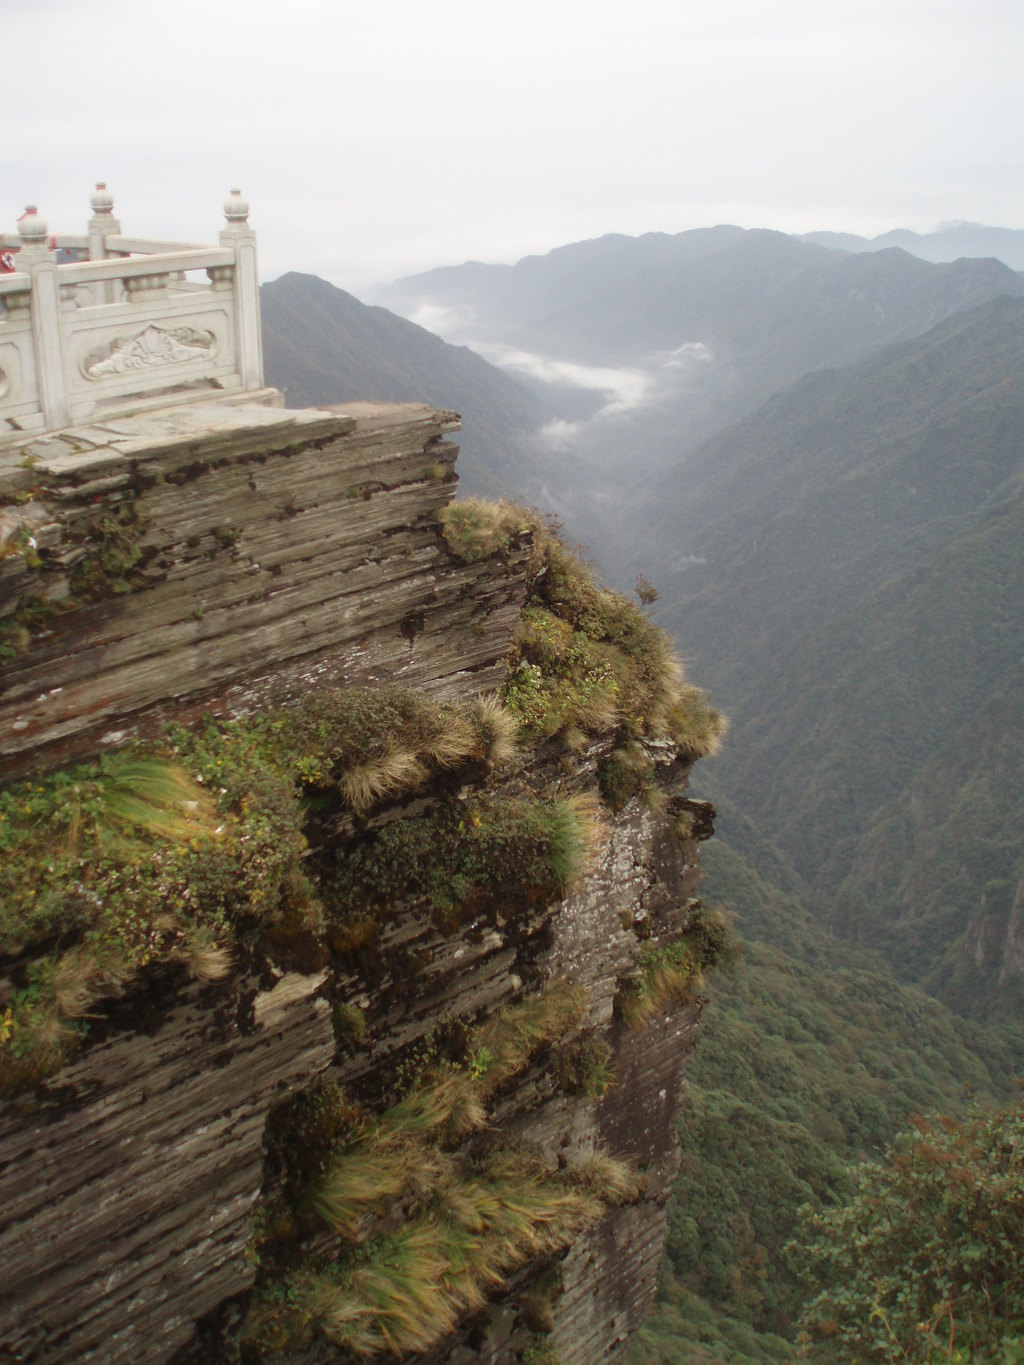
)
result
[(586, 661), (428, 1212), (311, 838), (184, 850)]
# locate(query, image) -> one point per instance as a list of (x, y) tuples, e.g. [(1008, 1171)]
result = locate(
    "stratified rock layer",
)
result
[(240, 555), (127, 1197)]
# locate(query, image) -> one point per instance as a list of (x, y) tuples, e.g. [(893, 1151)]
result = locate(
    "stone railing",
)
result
[(98, 323)]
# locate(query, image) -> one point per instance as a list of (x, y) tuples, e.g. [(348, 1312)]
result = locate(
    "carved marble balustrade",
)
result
[(100, 323)]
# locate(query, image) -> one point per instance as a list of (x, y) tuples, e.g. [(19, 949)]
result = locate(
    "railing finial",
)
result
[(31, 228), (101, 200), (236, 209)]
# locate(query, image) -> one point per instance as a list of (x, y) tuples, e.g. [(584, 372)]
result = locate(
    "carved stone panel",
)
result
[(151, 348)]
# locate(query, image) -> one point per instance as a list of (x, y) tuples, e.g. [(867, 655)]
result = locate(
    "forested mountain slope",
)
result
[(855, 595)]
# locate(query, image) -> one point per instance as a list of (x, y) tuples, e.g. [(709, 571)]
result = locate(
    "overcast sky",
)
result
[(379, 137)]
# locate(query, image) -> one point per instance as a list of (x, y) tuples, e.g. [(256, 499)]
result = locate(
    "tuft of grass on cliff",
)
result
[(586, 661), (430, 1211)]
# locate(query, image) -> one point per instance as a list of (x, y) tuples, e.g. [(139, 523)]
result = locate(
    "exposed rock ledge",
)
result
[(221, 557)]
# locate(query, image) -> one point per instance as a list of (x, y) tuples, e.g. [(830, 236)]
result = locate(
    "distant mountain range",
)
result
[(947, 243), (850, 586)]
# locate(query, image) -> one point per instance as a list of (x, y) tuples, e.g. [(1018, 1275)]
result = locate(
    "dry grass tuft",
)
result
[(397, 770), (598, 712), (450, 1108), (612, 1180), (152, 795), (593, 832), (475, 529), (453, 740), (496, 729), (511, 1039), (77, 982), (695, 725), (369, 1175), (205, 959), (667, 976)]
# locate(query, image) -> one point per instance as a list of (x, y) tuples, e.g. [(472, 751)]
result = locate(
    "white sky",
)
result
[(379, 137)]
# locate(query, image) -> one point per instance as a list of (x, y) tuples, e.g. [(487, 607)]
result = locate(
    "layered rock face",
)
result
[(262, 557), (222, 557)]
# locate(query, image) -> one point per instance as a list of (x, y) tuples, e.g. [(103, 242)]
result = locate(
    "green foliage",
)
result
[(799, 1071), (925, 1261), (688, 1330), (860, 613), (624, 774), (540, 1354), (672, 973), (562, 680), (349, 1024), (169, 853), (588, 661), (465, 855)]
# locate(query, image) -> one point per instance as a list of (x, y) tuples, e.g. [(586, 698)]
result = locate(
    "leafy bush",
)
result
[(925, 1262), (588, 661)]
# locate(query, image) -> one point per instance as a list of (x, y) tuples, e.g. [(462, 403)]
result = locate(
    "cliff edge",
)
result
[(350, 955)]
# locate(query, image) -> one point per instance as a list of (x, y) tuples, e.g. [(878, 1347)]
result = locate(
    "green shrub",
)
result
[(672, 973), (624, 774), (924, 1262), (588, 661)]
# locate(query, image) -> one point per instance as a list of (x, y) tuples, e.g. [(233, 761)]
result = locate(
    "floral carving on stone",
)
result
[(153, 347)]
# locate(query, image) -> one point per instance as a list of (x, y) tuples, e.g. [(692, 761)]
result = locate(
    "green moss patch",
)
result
[(462, 856)]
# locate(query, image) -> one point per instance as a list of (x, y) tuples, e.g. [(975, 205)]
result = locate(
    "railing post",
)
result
[(36, 258), (240, 236), (102, 225)]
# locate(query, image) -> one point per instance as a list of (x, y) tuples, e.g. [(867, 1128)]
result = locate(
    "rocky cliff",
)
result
[(346, 996)]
